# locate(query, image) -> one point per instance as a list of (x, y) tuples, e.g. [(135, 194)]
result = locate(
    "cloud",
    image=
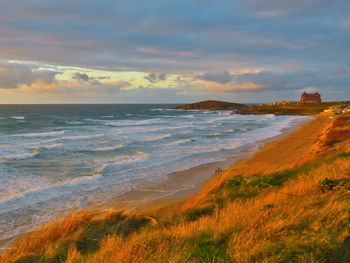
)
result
[(175, 36), (153, 77), (219, 77), (31, 78), (277, 81), (233, 87), (339, 70), (309, 90), (73, 89), (208, 41), (292, 65), (38, 87), (82, 77), (283, 8), (15, 74)]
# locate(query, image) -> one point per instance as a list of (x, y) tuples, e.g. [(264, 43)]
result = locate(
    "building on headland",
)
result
[(310, 98)]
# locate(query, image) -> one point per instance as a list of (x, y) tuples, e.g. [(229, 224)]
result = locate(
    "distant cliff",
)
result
[(211, 105)]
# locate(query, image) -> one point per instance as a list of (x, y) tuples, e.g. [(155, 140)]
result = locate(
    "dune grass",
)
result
[(298, 211)]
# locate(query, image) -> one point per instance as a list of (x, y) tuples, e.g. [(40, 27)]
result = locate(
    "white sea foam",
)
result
[(146, 129), (176, 142), (110, 148), (39, 134), (121, 160), (81, 137), (133, 122), (17, 117), (74, 122), (189, 116), (48, 188)]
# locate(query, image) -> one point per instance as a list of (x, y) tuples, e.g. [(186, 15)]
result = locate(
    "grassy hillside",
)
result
[(284, 110), (211, 105), (287, 203), (294, 108)]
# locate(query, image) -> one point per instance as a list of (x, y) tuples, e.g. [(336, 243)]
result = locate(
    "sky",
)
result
[(173, 51)]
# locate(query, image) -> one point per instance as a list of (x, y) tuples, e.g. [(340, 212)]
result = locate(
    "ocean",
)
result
[(54, 158)]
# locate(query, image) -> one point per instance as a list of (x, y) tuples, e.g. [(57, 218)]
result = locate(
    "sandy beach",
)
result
[(180, 185)]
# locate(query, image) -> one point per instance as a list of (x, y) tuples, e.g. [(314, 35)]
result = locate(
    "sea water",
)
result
[(57, 157)]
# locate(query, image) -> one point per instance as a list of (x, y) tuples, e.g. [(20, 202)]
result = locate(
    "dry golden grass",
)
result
[(289, 222)]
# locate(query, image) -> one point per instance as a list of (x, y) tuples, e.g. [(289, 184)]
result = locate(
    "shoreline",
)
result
[(292, 164), (176, 186), (180, 185)]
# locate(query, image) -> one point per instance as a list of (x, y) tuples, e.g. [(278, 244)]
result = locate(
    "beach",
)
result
[(149, 195), (56, 159), (180, 185), (286, 168)]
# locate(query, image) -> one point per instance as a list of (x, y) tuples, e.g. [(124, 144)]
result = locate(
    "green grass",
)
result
[(91, 236), (194, 214), (281, 110), (206, 248), (241, 187), (334, 184), (212, 105)]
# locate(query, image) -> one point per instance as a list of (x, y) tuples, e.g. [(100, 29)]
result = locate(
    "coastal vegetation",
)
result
[(289, 202), (278, 108), (211, 105)]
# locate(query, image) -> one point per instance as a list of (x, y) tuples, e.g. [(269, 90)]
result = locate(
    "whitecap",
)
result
[(133, 122), (74, 122), (122, 160), (179, 141), (17, 117), (50, 187)]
